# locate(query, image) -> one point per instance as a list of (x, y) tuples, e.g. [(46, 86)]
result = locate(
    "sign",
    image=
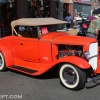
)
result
[(3, 1), (44, 30)]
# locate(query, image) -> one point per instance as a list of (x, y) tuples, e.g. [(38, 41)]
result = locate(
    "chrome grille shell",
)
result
[(93, 49)]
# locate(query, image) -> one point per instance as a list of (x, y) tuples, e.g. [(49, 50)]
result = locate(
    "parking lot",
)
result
[(46, 87)]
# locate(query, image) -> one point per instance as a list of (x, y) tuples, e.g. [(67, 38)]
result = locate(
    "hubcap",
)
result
[(69, 76)]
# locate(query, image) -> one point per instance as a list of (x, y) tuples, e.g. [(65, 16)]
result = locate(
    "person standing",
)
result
[(94, 28), (69, 20)]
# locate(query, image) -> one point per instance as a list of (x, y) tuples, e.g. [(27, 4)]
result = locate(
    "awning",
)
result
[(68, 1)]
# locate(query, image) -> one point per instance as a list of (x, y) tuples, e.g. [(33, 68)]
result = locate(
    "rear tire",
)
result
[(72, 77), (2, 63)]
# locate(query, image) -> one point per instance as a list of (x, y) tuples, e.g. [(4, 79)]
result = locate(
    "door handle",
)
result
[(21, 43)]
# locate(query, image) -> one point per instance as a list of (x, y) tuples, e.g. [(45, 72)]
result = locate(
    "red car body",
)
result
[(40, 55)]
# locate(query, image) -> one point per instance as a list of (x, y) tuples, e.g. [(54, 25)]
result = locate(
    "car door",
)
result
[(26, 49)]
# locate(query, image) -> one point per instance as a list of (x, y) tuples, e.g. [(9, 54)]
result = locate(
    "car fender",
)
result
[(7, 55), (79, 62)]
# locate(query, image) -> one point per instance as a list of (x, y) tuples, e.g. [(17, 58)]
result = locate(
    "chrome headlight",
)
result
[(87, 54)]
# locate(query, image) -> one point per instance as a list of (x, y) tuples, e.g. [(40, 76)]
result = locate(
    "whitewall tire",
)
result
[(2, 62), (72, 77)]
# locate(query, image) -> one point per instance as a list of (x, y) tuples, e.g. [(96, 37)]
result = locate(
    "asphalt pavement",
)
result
[(18, 86)]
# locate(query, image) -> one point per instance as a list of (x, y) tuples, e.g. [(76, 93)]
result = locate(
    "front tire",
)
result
[(2, 63), (72, 77)]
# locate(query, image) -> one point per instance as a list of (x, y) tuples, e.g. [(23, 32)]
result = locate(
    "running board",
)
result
[(24, 69), (93, 79)]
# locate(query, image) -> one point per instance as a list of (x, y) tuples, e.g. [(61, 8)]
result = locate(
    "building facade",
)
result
[(15, 9)]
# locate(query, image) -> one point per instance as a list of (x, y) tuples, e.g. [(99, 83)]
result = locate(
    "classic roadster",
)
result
[(33, 49)]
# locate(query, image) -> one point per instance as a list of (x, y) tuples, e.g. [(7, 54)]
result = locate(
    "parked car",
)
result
[(77, 19), (35, 51)]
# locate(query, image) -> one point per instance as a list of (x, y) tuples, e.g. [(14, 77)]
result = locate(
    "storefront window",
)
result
[(65, 8), (38, 8), (7, 14)]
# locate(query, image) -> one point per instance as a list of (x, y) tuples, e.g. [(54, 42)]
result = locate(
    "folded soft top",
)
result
[(36, 22)]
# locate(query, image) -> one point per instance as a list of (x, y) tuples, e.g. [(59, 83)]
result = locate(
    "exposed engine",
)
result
[(69, 50)]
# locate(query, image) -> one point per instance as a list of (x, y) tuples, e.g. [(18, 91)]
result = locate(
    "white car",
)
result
[(77, 19)]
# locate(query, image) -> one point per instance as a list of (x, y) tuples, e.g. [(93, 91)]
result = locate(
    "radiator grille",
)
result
[(93, 49)]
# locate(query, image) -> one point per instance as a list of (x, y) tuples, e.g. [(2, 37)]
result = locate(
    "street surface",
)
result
[(46, 87)]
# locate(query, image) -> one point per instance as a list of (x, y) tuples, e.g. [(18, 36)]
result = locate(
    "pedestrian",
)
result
[(94, 28), (69, 20)]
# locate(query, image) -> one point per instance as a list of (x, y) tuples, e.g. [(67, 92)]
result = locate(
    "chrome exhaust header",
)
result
[(93, 79)]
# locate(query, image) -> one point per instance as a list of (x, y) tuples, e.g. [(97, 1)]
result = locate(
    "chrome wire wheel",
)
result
[(72, 77), (2, 62)]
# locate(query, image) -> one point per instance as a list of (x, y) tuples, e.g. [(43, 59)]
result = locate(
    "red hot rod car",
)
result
[(34, 50)]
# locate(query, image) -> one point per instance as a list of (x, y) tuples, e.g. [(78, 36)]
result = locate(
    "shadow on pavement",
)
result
[(46, 75), (94, 84)]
